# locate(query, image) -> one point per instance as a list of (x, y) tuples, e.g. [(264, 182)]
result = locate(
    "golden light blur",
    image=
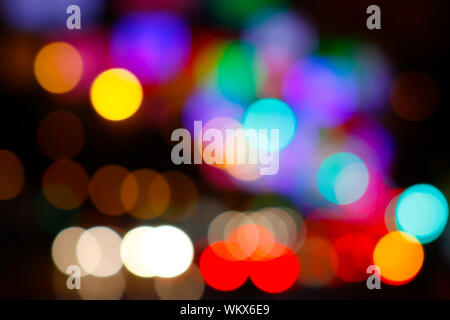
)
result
[(12, 175), (183, 196), (58, 67), (65, 184), (116, 94), (146, 193), (400, 257), (414, 96), (105, 189), (60, 135)]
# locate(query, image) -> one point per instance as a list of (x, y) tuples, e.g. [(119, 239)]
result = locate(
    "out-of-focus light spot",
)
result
[(316, 89), (146, 193), (93, 46), (105, 189), (49, 15), (414, 96), (16, 62), (237, 74), (207, 103), (183, 196), (215, 152), (60, 135), (105, 288), (188, 286), (318, 262), (131, 251), (98, 251), (269, 114), (389, 214), (342, 178), (64, 249), (12, 175), (164, 251), (217, 230), (367, 63), (258, 235), (354, 252), (286, 225), (206, 59), (58, 67), (422, 211), (234, 13), (280, 36), (116, 94), (399, 256), (220, 273), (154, 46), (374, 75), (65, 184), (167, 251), (276, 274)]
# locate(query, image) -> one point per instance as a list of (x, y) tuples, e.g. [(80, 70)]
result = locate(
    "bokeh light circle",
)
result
[(155, 46), (167, 251), (146, 193), (399, 257), (12, 175), (130, 251), (98, 251), (414, 95), (58, 67), (105, 189), (64, 249), (65, 184), (268, 114), (164, 251), (422, 211), (116, 94), (342, 178)]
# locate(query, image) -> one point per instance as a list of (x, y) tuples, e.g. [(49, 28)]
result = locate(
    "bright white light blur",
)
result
[(130, 251), (167, 251), (164, 251), (98, 251)]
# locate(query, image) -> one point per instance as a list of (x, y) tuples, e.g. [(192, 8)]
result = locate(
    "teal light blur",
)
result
[(237, 73), (268, 114), (422, 211), (342, 178)]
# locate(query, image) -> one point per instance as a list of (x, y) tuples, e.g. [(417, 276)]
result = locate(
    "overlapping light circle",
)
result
[(164, 251)]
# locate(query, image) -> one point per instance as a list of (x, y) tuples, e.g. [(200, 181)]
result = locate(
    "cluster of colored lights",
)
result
[(336, 210)]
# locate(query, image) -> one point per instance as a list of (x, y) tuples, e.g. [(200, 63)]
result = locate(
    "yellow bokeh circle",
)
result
[(399, 256), (116, 94), (58, 67)]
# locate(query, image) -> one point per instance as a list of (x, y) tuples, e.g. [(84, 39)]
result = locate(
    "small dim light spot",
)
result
[(12, 175)]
